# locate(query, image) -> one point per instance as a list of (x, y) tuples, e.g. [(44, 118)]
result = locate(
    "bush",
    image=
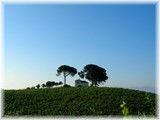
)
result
[(66, 85), (79, 86)]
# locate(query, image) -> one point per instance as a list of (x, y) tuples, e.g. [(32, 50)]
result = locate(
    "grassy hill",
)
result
[(78, 101)]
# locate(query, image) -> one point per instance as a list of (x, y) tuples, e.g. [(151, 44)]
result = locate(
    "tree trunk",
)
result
[(92, 84), (64, 78)]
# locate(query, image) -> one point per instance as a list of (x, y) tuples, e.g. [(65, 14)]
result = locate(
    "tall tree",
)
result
[(94, 74), (66, 70)]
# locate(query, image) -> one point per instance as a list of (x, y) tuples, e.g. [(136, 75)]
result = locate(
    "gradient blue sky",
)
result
[(39, 38)]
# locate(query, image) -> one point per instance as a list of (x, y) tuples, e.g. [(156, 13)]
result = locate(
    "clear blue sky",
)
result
[(39, 38)]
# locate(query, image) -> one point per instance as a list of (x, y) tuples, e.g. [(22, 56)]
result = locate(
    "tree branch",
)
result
[(67, 74)]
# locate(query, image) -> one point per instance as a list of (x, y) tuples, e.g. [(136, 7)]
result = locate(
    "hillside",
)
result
[(78, 101)]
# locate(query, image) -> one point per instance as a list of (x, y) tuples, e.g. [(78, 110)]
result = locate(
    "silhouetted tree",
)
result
[(53, 83), (56, 83), (49, 84), (94, 74), (60, 83), (32, 87), (66, 70), (38, 86), (43, 85), (66, 85)]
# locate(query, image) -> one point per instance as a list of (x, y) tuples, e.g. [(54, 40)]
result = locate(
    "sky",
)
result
[(38, 38)]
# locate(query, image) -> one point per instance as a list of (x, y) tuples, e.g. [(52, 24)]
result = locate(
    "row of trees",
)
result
[(91, 72), (48, 84), (51, 84)]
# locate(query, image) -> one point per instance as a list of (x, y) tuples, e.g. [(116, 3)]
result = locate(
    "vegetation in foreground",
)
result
[(77, 101)]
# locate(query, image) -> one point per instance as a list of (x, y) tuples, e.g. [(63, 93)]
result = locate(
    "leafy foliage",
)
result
[(43, 85), (38, 86), (66, 85), (94, 73), (51, 84), (78, 101), (125, 111), (66, 70)]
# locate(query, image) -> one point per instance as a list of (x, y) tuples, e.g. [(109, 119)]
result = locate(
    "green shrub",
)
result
[(66, 85)]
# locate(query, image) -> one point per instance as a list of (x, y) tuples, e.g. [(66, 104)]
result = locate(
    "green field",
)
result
[(77, 101)]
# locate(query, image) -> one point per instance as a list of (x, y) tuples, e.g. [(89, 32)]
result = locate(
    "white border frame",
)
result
[(2, 68)]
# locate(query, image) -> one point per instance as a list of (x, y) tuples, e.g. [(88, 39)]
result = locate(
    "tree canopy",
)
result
[(43, 85), (38, 86), (66, 70), (94, 74), (52, 83)]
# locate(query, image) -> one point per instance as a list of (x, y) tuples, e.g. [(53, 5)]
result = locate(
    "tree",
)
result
[(50, 84), (60, 83), (94, 74), (43, 85), (66, 85), (32, 87), (66, 70), (38, 86)]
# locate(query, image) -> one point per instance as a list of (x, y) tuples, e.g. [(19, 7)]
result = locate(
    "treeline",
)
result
[(91, 72), (48, 84)]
